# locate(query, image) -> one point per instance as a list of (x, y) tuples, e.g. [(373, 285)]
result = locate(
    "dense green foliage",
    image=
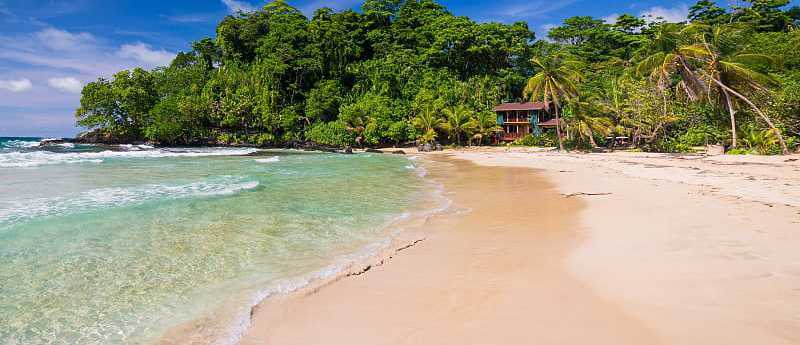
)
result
[(404, 71)]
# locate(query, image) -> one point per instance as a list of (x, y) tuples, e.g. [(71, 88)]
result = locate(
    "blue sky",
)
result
[(50, 48)]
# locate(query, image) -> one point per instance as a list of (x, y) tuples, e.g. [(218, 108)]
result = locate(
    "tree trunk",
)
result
[(784, 149), (591, 139), (558, 131), (729, 104)]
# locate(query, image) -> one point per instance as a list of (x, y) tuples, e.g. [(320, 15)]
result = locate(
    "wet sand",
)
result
[(494, 269), (549, 248)]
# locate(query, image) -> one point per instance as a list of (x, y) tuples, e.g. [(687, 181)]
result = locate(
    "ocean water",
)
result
[(118, 245)]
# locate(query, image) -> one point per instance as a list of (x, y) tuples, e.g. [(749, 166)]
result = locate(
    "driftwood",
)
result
[(584, 194), (366, 268)]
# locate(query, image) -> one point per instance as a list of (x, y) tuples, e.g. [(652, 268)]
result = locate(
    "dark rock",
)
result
[(48, 142), (426, 148), (348, 150), (371, 150), (99, 137), (399, 152)]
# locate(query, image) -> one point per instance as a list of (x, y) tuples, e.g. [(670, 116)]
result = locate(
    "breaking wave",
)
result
[(18, 144), (40, 158), (274, 159), (21, 211)]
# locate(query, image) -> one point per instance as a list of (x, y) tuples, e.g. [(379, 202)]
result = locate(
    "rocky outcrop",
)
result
[(53, 142), (102, 137)]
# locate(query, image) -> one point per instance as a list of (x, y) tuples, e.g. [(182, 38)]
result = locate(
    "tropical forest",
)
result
[(395, 73)]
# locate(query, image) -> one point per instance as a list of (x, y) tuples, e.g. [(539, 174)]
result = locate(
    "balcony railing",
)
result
[(518, 120), (509, 136)]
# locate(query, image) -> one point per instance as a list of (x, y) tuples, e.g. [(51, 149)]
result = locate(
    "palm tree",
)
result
[(485, 124), (554, 83), (579, 120), (428, 121), (732, 74), (459, 121), (667, 58), (700, 64)]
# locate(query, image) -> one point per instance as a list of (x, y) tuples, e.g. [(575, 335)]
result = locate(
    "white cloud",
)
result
[(40, 61), (528, 9), (673, 15), (235, 6), (143, 53), (611, 18), (19, 85), (67, 84), (56, 39)]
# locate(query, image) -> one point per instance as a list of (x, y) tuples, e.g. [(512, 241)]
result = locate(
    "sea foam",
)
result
[(20, 211), (18, 144), (274, 159), (40, 158)]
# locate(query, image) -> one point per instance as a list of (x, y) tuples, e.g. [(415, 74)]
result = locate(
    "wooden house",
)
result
[(517, 120)]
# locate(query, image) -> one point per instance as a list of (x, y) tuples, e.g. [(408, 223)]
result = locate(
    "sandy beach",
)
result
[(548, 248)]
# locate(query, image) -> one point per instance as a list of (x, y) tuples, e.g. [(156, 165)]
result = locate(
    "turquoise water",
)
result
[(106, 245)]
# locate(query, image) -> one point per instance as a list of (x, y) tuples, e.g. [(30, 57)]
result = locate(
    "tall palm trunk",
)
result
[(558, 131), (784, 149), (729, 105)]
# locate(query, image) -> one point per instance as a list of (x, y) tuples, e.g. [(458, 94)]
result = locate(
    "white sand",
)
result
[(704, 250), (673, 250)]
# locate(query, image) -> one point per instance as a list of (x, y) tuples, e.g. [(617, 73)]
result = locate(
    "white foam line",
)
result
[(39, 158), (274, 159), (21, 211)]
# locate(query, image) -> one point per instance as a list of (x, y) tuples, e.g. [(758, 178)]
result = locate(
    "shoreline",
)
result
[(640, 274), (400, 235), (410, 297)]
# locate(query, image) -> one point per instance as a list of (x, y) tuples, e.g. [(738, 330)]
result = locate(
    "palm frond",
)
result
[(743, 74), (650, 63), (696, 51), (752, 59)]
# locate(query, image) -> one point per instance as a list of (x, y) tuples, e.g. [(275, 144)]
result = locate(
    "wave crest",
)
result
[(18, 144), (21, 211), (40, 158), (274, 159)]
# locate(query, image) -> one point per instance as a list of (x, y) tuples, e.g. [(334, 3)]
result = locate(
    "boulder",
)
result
[(426, 148), (49, 142)]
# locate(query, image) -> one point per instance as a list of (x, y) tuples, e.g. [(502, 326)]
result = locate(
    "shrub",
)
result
[(544, 140), (330, 133), (739, 151)]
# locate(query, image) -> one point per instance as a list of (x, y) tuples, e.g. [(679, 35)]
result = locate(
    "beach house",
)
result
[(517, 120)]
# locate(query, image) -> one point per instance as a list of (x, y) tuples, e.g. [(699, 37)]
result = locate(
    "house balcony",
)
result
[(503, 136), (517, 121)]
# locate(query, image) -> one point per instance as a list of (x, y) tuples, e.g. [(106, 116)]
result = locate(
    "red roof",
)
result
[(520, 106)]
